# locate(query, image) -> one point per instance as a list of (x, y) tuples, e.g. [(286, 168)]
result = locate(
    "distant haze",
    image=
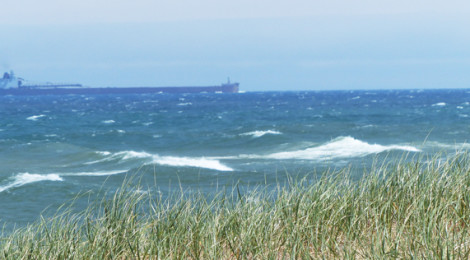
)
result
[(264, 45)]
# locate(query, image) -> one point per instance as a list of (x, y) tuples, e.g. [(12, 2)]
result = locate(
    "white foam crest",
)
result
[(35, 118), (201, 162), (440, 104), (191, 162), (341, 147), (25, 178), (454, 146), (257, 134), (104, 153), (126, 155), (185, 104), (108, 122), (97, 173)]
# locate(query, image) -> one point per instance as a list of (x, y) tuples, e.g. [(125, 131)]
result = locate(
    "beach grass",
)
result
[(405, 209)]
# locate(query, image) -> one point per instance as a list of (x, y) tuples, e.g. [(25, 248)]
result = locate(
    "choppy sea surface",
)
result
[(55, 147)]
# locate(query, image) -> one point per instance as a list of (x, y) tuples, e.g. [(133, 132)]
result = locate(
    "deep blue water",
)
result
[(54, 147)]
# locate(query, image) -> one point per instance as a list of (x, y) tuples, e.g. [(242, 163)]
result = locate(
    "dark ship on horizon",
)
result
[(12, 85)]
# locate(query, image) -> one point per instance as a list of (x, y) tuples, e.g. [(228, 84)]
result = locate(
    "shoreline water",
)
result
[(418, 208)]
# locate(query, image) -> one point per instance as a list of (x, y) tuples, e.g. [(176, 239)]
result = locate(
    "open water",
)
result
[(55, 147)]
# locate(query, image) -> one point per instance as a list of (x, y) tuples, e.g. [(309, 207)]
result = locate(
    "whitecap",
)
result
[(185, 104), (341, 147), (191, 162), (108, 122), (26, 178), (454, 146), (97, 173), (440, 104), (257, 134), (126, 155), (35, 118), (201, 162), (104, 153)]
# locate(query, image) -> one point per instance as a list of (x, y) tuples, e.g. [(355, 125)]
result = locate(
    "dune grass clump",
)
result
[(418, 209)]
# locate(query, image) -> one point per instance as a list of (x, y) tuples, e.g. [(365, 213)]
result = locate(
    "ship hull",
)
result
[(226, 88)]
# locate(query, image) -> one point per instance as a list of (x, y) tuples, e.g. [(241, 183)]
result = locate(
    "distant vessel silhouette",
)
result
[(12, 85)]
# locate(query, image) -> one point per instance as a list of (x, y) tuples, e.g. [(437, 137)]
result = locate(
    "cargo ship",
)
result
[(12, 85)]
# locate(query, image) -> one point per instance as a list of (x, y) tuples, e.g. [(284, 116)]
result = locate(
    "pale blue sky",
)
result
[(265, 45)]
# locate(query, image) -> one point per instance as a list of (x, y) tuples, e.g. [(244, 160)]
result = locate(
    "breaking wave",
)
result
[(191, 162), (98, 173), (35, 118), (26, 178), (341, 147), (454, 146), (200, 162), (257, 134)]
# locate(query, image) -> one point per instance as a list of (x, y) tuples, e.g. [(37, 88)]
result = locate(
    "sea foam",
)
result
[(200, 162), (35, 118), (25, 178), (341, 147), (126, 155), (97, 173), (191, 162), (257, 134)]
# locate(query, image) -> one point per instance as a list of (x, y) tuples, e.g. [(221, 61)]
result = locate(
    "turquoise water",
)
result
[(54, 147)]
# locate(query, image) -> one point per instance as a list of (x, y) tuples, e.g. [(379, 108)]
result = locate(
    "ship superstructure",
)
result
[(9, 81)]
